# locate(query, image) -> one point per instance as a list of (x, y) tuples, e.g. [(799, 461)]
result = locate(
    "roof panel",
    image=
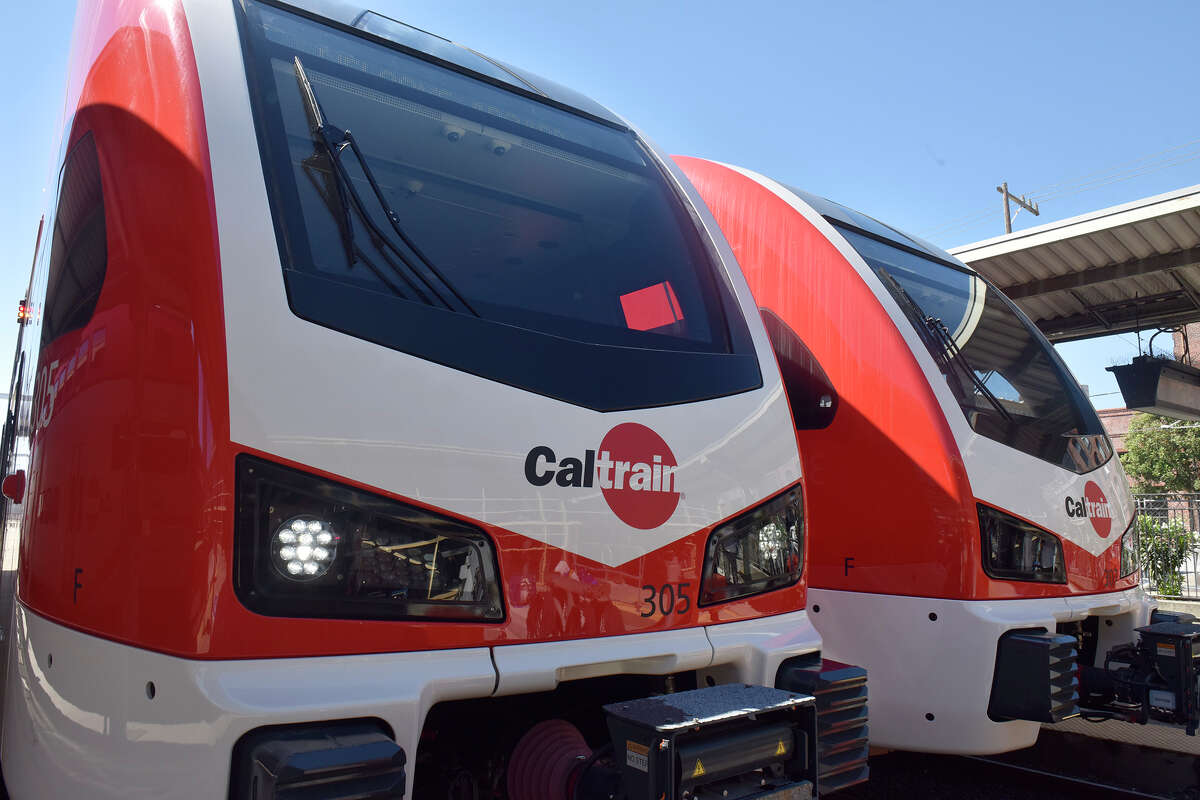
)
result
[(1156, 236), (1182, 233), (1114, 250), (1021, 267), (1133, 241), (1075, 254), (1192, 221)]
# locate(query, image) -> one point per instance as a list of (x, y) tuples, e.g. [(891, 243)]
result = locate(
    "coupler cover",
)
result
[(732, 741), (1035, 677)]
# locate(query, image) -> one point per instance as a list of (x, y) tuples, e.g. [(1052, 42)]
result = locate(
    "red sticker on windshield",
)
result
[(652, 307)]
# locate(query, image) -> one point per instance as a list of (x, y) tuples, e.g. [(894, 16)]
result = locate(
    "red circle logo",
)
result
[(1097, 508), (636, 472)]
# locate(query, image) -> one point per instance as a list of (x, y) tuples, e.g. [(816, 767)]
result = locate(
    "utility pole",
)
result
[(1023, 201)]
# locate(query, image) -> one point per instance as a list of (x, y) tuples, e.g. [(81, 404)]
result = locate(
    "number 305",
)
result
[(670, 598)]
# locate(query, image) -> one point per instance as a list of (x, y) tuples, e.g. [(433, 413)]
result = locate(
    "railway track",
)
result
[(1059, 766)]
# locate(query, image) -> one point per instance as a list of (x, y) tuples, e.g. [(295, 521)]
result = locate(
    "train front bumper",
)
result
[(931, 661), (87, 717)]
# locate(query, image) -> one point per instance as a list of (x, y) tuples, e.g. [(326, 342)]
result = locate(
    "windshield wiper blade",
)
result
[(956, 356), (334, 140), (945, 350), (354, 253)]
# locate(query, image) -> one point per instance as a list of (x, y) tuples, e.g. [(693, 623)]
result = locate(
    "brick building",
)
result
[(1116, 425)]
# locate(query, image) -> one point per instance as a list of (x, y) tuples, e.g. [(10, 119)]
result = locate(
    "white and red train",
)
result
[(399, 427), (402, 424), (973, 542)]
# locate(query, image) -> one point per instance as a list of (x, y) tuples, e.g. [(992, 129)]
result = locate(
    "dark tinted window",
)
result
[(811, 396), (79, 250), (1011, 384), (526, 234)]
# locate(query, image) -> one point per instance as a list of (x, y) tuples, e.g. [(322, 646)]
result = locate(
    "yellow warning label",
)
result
[(780, 750), (699, 770), (1165, 649)]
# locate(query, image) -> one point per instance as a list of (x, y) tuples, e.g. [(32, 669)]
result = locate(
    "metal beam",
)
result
[(1169, 308), (1110, 272), (1091, 310), (1185, 287)]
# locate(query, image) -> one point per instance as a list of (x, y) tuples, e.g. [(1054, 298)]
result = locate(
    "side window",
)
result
[(811, 395), (78, 245)]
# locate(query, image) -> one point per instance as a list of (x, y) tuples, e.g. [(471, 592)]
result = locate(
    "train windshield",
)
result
[(448, 216), (1011, 384)]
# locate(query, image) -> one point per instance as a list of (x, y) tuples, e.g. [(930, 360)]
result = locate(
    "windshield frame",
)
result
[(596, 374), (1086, 419)]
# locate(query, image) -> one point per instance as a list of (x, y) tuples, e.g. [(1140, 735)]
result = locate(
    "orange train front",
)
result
[(972, 533)]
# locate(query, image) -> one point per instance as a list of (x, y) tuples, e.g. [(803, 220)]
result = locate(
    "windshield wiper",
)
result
[(945, 350), (333, 140), (939, 330)]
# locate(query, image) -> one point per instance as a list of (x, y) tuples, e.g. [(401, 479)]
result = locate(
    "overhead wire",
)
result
[(1117, 178), (1115, 173), (1044, 190), (962, 222)]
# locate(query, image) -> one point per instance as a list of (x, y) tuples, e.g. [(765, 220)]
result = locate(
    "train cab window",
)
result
[(471, 222), (1007, 378), (78, 245)]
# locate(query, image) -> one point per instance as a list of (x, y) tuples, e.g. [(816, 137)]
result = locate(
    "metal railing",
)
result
[(1167, 524)]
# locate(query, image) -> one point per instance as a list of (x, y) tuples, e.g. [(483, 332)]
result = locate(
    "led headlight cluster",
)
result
[(1015, 550), (304, 548), (310, 547), (761, 550)]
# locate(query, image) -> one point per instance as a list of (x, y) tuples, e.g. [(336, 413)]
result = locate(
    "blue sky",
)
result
[(911, 112)]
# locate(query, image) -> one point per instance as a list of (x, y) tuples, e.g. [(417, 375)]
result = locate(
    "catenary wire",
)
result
[(1115, 173)]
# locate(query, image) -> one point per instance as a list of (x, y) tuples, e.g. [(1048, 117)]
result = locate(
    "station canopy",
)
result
[(1130, 267)]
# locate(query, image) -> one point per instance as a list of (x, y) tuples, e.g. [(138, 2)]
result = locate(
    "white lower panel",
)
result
[(539, 667), (929, 679), (78, 721), (751, 651), (743, 652)]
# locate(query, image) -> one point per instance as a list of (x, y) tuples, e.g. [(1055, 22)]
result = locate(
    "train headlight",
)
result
[(1015, 550), (1129, 549), (304, 548), (310, 547), (761, 550)]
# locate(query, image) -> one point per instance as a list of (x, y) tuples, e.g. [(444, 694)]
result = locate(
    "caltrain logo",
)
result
[(633, 467), (1094, 506)]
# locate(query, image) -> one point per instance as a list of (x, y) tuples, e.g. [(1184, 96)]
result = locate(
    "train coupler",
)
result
[(1156, 678)]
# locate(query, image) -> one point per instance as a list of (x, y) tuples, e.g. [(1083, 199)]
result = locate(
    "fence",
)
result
[(1168, 524)]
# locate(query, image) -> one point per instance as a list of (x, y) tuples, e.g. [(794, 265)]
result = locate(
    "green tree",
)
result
[(1163, 454), (1163, 547)]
